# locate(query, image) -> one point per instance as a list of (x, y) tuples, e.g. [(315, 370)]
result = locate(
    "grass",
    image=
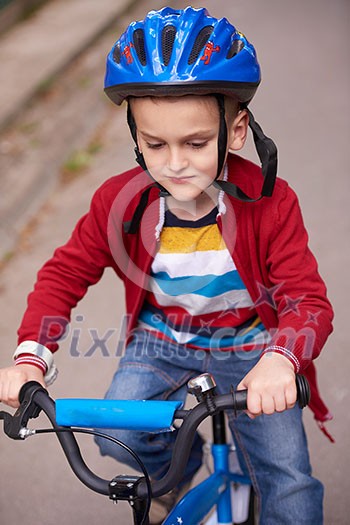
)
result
[(79, 161)]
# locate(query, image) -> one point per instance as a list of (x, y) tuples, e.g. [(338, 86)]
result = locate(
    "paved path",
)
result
[(303, 104), (34, 51), (32, 54)]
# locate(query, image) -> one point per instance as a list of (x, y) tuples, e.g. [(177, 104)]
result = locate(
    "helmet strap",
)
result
[(139, 156), (267, 152), (222, 137)]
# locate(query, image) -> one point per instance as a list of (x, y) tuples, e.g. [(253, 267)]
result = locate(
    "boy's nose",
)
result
[(177, 161)]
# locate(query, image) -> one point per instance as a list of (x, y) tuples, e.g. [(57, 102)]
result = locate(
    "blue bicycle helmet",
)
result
[(174, 52), (188, 52)]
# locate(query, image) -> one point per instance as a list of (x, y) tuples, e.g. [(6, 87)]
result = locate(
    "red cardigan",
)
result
[(267, 240)]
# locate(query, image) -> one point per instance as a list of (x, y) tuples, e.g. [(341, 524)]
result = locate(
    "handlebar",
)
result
[(34, 398)]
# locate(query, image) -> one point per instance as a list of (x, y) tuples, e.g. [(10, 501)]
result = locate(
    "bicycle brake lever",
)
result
[(28, 409)]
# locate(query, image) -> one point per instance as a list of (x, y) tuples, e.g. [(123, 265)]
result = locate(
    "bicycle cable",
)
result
[(113, 440)]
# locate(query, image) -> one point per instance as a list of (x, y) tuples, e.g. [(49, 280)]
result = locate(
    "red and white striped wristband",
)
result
[(28, 359)]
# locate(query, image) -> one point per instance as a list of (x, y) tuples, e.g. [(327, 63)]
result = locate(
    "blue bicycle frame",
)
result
[(213, 491)]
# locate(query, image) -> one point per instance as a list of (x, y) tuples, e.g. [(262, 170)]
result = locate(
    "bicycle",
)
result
[(69, 416)]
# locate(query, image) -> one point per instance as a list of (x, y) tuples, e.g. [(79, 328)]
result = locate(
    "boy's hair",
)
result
[(232, 105)]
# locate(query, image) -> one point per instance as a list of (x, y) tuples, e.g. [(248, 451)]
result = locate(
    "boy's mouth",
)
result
[(180, 180)]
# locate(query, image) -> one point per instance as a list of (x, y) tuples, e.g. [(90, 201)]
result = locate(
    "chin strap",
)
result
[(267, 152)]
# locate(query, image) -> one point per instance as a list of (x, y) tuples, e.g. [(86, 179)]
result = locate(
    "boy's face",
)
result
[(178, 138)]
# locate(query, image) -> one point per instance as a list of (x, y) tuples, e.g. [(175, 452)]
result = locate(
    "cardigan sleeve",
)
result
[(303, 309), (65, 278)]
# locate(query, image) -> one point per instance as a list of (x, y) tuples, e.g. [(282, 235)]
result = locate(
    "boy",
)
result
[(217, 271)]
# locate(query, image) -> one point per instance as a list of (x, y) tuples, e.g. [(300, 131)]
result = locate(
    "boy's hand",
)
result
[(13, 378), (271, 385)]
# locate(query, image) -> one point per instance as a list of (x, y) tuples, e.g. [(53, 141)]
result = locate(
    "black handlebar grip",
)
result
[(303, 394), (239, 399), (303, 391)]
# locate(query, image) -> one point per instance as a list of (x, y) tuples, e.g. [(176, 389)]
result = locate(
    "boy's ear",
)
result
[(237, 131)]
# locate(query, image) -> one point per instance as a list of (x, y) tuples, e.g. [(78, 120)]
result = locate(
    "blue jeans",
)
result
[(272, 450)]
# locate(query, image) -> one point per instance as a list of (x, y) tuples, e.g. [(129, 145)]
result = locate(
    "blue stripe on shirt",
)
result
[(205, 285)]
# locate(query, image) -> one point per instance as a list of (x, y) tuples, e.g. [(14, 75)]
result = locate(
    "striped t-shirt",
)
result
[(196, 296)]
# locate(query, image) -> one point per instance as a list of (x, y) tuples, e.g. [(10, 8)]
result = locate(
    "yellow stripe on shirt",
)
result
[(188, 240)]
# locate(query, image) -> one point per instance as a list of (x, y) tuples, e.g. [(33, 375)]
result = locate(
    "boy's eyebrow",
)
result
[(197, 133)]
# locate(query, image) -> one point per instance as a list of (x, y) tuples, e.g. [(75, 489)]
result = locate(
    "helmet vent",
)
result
[(168, 37), (139, 44), (237, 46), (116, 54), (201, 39)]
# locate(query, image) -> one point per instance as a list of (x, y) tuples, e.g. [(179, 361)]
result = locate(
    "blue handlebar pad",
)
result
[(109, 413)]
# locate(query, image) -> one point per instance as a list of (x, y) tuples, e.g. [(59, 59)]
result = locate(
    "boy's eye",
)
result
[(198, 145), (192, 144), (154, 145)]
